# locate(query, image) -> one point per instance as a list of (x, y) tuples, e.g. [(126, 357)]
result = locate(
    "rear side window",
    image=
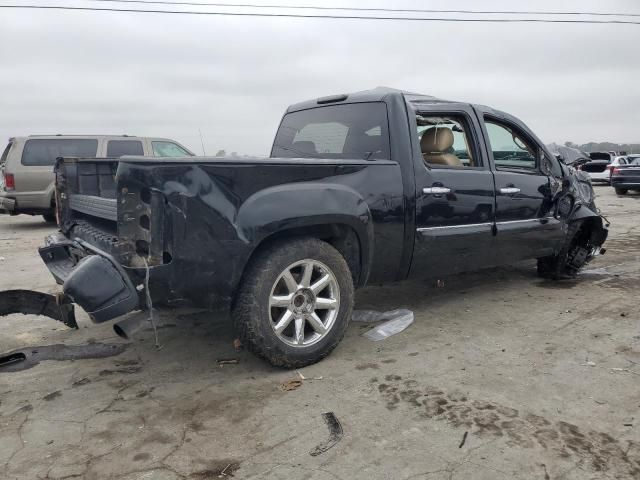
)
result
[(118, 148), (353, 131), (5, 154), (168, 149), (43, 152)]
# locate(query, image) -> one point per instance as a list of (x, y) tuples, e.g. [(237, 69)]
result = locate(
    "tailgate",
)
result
[(86, 199), (90, 186)]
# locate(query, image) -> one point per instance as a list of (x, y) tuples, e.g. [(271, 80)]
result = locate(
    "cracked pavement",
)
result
[(543, 376)]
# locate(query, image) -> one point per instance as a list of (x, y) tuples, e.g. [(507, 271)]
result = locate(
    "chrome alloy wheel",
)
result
[(304, 303)]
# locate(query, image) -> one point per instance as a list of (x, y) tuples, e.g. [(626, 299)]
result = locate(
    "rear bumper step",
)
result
[(90, 277)]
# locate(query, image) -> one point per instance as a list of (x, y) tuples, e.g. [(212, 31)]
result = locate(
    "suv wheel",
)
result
[(621, 191), (294, 302)]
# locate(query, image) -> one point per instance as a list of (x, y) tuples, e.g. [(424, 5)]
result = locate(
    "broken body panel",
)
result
[(192, 226)]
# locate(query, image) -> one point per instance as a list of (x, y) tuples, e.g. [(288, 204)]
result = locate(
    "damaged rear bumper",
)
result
[(90, 277)]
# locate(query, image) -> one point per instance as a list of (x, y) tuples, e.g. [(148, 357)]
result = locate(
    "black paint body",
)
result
[(197, 222)]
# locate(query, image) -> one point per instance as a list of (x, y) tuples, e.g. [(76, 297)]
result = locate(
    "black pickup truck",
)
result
[(366, 188)]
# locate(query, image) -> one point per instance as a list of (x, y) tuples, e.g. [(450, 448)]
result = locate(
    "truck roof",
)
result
[(97, 136), (377, 94)]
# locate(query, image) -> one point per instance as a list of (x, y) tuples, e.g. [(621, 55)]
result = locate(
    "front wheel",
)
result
[(621, 191), (294, 302), (573, 255)]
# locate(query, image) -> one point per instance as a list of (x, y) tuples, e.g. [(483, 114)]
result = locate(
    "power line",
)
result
[(371, 9), (333, 17)]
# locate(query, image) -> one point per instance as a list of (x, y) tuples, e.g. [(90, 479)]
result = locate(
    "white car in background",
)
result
[(601, 164)]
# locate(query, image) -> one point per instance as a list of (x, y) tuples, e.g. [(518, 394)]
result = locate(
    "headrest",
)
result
[(304, 146), (436, 139)]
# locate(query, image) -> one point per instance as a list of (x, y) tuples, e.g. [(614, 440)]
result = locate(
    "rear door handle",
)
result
[(436, 190), (509, 190)]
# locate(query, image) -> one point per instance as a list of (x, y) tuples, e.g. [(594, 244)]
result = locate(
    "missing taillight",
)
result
[(142, 248), (145, 195)]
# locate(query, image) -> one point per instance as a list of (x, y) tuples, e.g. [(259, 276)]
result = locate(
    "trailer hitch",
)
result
[(29, 302)]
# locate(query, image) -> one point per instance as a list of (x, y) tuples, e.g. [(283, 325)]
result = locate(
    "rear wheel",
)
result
[(49, 217), (573, 255), (294, 302), (621, 191)]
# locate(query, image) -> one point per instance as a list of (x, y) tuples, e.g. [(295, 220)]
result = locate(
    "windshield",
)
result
[(352, 131)]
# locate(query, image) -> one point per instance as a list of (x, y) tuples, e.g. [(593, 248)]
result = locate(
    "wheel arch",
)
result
[(342, 236), (593, 222), (331, 212)]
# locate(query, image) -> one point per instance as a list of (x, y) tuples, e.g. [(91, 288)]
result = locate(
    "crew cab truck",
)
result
[(366, 188)]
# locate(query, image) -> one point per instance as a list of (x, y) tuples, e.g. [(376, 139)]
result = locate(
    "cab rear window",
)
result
[(43, 152), (351, 131)]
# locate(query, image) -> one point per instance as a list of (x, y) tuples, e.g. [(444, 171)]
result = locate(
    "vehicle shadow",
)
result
[(198, 343)]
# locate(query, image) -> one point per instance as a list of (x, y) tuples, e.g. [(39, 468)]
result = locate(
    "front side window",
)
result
[(43, 152), (445, 141), (510, 148), (351, 131), (118, 148), (168, 149)]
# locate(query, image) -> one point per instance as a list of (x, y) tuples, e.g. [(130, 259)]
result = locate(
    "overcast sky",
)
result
[(231, 77)]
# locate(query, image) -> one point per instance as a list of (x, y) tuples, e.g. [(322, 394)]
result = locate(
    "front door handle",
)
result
[(436, 190), (509, 190)]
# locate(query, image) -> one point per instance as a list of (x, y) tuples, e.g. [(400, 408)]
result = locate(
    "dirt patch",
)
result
[(217, 470), (52, 396), (597, 450), (365, 366)]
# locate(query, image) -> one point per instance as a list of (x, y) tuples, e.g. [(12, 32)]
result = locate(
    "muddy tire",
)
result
[(571, 257), (621, 191), (294, 302), (49, 217)]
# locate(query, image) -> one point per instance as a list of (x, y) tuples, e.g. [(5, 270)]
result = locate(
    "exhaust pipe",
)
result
[(129, 326)]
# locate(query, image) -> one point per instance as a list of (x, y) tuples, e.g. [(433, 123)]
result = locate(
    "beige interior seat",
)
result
[(434, 144)]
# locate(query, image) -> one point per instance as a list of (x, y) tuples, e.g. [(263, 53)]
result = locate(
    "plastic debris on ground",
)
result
[(291, 384), (395, 321)]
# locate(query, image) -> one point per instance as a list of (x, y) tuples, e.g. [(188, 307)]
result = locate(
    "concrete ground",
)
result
[(540, 379)]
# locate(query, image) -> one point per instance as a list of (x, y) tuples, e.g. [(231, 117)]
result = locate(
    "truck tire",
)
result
[(621, 191), (49, 217), (570, 259), (294, 302)]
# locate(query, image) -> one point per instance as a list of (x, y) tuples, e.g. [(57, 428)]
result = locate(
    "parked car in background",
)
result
[(26, 165), (596, 167), (626, 177), (620, 160)]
